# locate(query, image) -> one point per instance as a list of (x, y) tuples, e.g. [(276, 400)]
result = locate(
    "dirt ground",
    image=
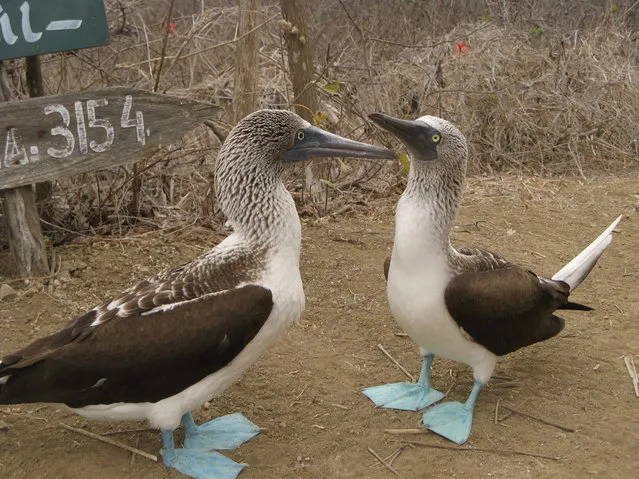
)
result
[(305, 390)]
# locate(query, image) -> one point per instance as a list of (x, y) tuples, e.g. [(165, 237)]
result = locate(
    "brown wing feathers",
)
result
[(506, 309), (141, 357)]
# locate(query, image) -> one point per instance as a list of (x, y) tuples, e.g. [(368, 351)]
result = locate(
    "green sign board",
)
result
[(34, 27)]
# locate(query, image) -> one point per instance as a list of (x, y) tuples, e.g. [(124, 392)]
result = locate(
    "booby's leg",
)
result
[(222, 433), (453, 420), (406, 396), (198, 463)]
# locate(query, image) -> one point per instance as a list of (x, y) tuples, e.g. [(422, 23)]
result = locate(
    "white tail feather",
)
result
[(579, 267)]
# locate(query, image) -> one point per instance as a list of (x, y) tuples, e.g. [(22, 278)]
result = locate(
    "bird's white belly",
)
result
[(417, 280), (417, 303), (288, 305)]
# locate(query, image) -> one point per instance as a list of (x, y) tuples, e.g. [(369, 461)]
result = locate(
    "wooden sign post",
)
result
[(49, 137), (53, 136), (29, 28)]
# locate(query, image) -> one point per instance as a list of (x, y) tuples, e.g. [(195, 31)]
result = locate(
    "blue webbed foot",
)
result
[(453, 420), (223, 433), (198, 463), (404, 396), (202, 464)]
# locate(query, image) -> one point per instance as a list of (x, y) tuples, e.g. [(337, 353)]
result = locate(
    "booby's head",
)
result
[(438, 156), (427, 139), (248, 170), (281, 136)]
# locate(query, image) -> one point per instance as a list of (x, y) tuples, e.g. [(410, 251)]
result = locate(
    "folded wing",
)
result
[(506, 309), (145, 355)]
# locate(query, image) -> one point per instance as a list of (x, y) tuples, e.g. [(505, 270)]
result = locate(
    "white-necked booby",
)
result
[(169, 343), (461, 303)]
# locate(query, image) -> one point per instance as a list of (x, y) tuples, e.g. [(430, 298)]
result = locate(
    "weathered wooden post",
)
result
[(247, 60), (26, 243), (63, 135), (30, 28)]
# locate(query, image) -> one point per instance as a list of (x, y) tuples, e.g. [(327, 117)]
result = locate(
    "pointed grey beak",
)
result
[(416, 135), (313, 142)]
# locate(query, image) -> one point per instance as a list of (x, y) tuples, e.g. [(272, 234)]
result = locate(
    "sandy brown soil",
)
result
[(305, 389)]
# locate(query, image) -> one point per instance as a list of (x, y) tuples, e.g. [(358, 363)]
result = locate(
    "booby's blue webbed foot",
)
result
[(453, 420), (406, 396), (198, 463), (222, 433)]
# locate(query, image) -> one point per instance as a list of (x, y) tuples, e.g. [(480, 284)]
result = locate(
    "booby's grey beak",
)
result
[(313, 142), (420, 139)]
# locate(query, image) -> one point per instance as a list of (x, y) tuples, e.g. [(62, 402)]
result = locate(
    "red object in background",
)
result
[(171, 27), (462, 47)]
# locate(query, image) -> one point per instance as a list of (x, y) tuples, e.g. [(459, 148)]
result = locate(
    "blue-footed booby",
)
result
[(171, 342), (460, 303)]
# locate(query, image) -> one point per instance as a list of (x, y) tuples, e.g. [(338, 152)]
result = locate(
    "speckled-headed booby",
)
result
[(464, 304), (169, 343)]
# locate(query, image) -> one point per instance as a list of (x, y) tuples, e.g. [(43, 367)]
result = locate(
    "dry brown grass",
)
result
[(548, 88), (556, 104)]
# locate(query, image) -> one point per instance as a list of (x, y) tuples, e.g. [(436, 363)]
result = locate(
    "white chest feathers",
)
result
[(418, 276)]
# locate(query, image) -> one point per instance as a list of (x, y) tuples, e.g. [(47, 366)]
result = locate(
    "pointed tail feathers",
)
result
[(576, 306), (579, 267)]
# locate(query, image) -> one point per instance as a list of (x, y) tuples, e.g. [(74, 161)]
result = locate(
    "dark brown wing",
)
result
[(183, 283), (506, 309), (142, 357)]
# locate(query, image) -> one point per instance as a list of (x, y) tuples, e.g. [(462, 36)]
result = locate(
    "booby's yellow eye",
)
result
[(300, 135), (436, 138)]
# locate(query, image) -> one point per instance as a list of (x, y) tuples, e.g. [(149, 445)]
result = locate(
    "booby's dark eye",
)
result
[(300, 135), (436, 138)]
